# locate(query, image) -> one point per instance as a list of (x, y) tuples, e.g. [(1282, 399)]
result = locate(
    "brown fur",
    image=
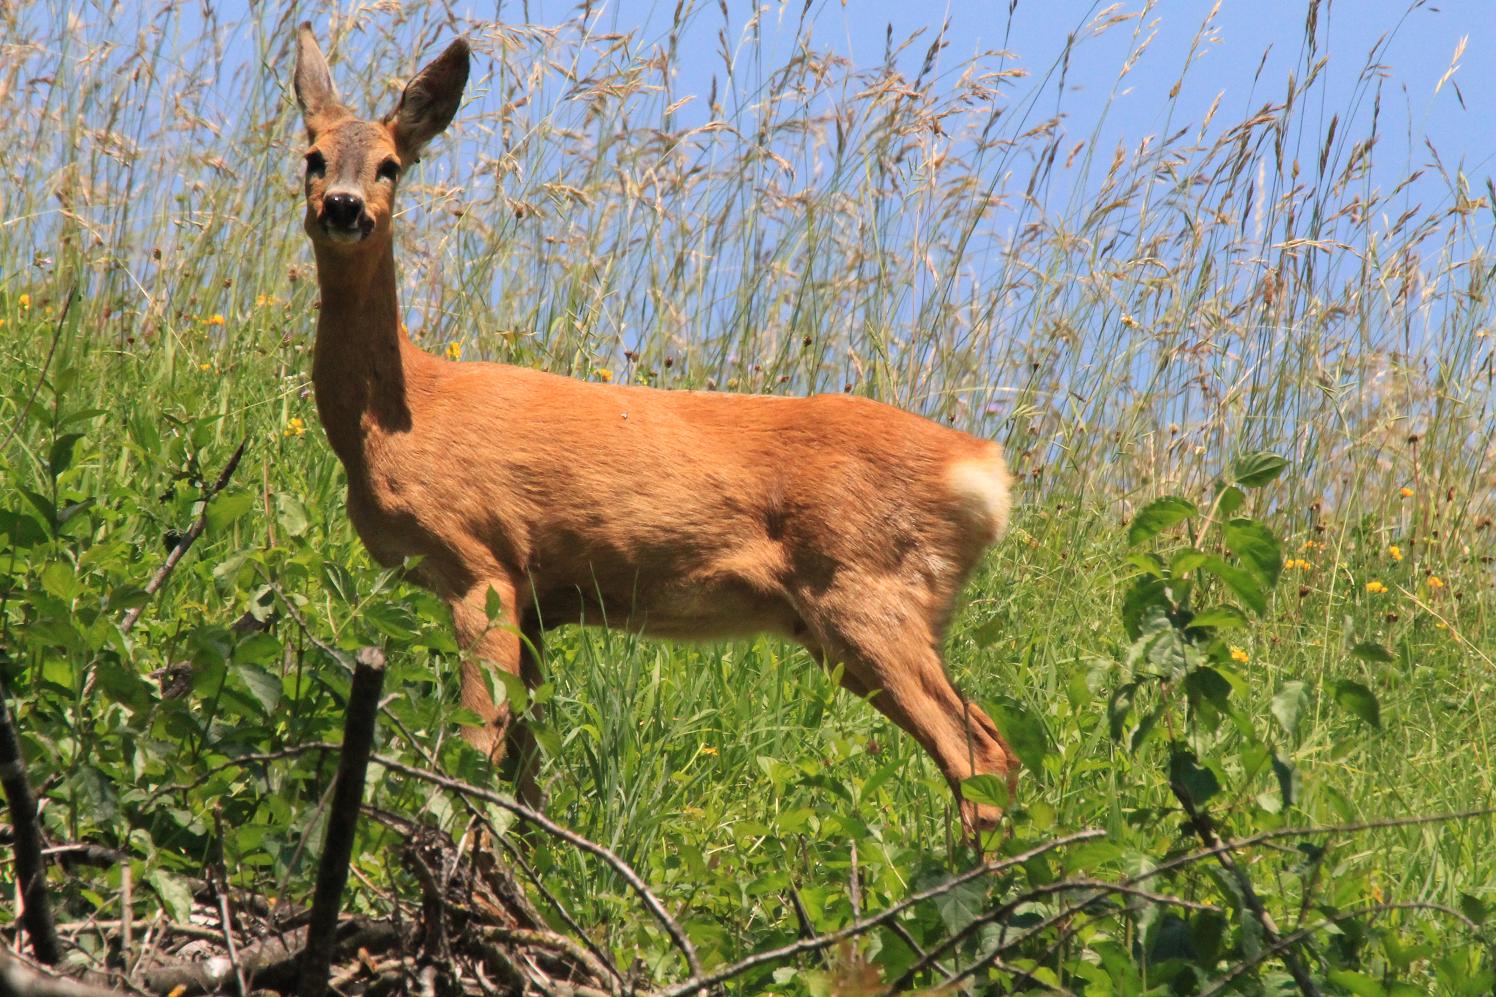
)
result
[(841, 523)]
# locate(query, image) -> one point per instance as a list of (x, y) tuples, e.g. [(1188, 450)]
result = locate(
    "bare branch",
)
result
[(31, 870), (523, 812), (193, 532), (342, 821)]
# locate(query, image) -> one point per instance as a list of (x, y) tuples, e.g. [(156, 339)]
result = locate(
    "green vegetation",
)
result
[(1174, 314)]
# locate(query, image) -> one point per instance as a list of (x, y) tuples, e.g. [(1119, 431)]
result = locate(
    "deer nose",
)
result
[(342, 210)]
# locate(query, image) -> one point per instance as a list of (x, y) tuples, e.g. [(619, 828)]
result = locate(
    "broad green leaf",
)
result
[(291, 514), (62, 452), (1191, 779), (1474, 908), (1255, 546), (1023, 731), (224, 509), (1144, 605), (1257, 469), (1229, 500), (175, 894), (990, 632), (985, 789), (1356, 983), (1239, 581), (1357, 699), (1368, 650), (1223, 617), (1157, 516), (1208, 685), (1288, 705), (1186, 561)]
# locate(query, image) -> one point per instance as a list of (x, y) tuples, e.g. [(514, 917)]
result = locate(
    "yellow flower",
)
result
[(1405, 492), (707, 749), (24, 301), (1297, 564), (454, 351), (261, 300), (1394, 552), (204, 366), (1239, 655), (1435, 582), (294, 427), (1375, 587), (214, 319), (604, 374)]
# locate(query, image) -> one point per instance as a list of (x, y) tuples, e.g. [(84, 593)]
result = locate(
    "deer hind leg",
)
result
[(889, 652), (496, 644)]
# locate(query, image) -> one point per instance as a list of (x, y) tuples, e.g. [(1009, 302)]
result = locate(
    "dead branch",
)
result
[(31, 870), (342, 820), (869, 923), (622, 868), (188, 539), (17, 980)]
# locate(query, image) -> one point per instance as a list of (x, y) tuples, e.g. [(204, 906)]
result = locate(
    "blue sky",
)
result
[(1417, 47)]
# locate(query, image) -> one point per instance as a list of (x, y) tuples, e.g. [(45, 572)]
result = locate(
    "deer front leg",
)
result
[(497, 644)]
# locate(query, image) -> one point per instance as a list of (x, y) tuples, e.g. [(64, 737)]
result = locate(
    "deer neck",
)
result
[(363, 362)]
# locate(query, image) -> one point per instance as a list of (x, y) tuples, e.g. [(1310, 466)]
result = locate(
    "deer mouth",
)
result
[(356, 232)]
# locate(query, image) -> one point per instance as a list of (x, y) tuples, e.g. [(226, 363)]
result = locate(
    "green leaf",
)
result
[(962, 905), (1222, 617), (985, 789), (263, 686), (1157, 516), (1257, 469), (1356, 983), (1474, 908), (1369, 650), (1359, 700), (1143, 605), (1288, 705), (62, 452), (991, 632), (291, 514), (1023, 730), (1208, 685), (1186, 561), (1255, 546), (1229, 500), (175, 894), (224, 509), (1239, 581), (1188, 778)]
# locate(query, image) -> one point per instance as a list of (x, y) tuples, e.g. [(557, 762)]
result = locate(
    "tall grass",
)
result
[(1123, 317)]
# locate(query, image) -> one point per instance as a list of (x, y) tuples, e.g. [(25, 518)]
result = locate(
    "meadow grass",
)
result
[(1125, 320)]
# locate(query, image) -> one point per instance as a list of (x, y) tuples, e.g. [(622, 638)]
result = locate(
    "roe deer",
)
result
[(843, 524)]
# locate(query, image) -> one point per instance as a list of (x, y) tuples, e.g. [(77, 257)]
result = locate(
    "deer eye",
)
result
[(316, 166), (389, 171)]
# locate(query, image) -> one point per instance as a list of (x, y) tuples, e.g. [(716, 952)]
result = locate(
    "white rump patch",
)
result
[(983, 483)]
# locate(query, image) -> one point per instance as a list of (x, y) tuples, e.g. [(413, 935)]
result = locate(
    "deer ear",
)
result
[(429, 101), (315, 93)]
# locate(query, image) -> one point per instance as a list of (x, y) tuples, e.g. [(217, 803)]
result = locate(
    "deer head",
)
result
[(353, 166)]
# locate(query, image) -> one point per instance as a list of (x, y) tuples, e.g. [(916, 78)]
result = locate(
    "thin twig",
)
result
[(1290, 940), (624, 870), (342, 821), (1100, 889), (31, 870), (1204, 828), (193, 532), (868, 923)]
